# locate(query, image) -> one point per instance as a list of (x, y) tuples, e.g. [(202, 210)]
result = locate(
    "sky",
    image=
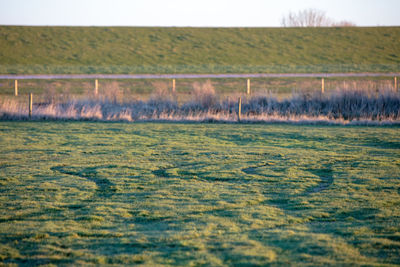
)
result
[(194, 13)]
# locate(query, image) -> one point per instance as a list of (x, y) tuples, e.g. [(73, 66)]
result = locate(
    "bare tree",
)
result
[(311, 18), (344, 23)]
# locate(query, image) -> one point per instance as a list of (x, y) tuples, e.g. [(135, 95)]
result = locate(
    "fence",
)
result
[(121, 87), (182, 83)]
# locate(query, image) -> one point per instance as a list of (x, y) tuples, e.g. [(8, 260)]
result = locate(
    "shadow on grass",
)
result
[(104, 187)]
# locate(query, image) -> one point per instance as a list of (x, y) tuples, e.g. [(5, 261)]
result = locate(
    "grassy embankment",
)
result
[(197, 50), (194, 50), (198, 194)]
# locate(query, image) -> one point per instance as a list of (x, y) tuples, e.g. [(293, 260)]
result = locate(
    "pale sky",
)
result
[(197, 13)]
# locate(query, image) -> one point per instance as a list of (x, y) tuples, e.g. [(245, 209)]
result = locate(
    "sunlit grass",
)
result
[(192, 194)]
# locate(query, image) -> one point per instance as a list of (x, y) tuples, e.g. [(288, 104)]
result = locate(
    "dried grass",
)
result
[(344, 106)]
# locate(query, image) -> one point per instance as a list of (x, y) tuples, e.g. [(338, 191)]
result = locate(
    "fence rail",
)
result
[(192, 76)]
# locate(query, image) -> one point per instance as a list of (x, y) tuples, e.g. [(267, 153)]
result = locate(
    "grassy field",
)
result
[(198, 194), (197, 50)]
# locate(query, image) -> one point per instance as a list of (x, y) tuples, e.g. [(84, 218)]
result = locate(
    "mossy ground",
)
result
[(198, 194)]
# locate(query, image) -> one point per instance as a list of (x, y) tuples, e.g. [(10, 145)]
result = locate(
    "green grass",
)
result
[(198, 194), (197, 50)]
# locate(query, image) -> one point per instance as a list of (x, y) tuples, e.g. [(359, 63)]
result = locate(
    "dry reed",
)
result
[(341, 106)]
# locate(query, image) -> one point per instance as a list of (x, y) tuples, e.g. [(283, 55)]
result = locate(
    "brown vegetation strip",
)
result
[(192, 76)]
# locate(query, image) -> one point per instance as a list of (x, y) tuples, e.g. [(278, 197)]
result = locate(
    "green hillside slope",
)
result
[(197, 50)]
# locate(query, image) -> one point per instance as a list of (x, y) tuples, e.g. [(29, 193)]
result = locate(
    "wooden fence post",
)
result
[(239, 109), (16, 88), (322, 85), (173, 85), (248, 86), (96, 87), (30, 105)]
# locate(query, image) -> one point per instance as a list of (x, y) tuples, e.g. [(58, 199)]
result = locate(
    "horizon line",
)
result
[(189, 26)]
